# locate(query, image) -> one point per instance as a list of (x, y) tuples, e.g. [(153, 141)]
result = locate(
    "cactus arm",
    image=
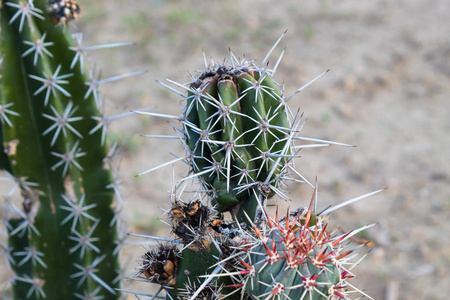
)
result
[(18, 86), (35, 160), (94, 178)]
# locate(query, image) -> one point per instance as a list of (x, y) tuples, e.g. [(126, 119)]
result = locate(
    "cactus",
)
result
[(239, 135), (63, 242), (236, 129), (296, 258)]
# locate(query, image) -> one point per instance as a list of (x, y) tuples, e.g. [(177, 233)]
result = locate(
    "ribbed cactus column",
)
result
[(63, 243), (237, 129), (238, 135)]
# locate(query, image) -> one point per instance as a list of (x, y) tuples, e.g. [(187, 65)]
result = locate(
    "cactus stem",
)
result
[(245, 174), (4, 110), (39, 48), (297, 126)]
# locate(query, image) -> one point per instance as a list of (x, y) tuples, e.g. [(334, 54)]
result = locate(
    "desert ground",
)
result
[(387, 92)]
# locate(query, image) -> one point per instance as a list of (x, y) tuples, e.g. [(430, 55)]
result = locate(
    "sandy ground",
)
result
[(387, 93)]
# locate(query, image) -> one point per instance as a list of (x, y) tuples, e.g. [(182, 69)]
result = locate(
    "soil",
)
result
[(387, 92)]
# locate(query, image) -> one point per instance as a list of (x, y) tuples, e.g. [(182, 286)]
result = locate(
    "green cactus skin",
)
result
[(53, 201)]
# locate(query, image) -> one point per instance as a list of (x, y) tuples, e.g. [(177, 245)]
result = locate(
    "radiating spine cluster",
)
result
[(62, 235)]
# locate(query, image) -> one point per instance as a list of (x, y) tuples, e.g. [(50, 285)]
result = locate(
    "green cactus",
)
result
[(64, 239), (296, 259), (239, 136), (236, 128)]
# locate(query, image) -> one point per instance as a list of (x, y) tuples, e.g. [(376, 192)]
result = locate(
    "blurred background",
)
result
[(387, 92)]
